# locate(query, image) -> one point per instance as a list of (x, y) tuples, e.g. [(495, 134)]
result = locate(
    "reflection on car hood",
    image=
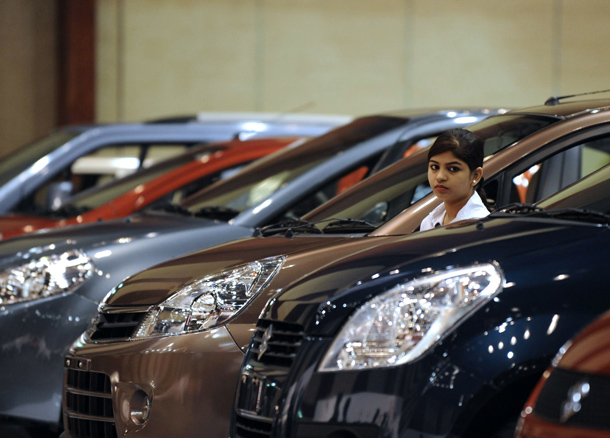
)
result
[(156, 284), (353, 280), (96, 235), (20, 221), (588, 350)]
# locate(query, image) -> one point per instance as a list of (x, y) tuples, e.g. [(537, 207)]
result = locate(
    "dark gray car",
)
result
[(51, 283), (41, 173)]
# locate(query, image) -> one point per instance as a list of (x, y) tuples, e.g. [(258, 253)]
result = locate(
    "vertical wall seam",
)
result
[(259, 55), (120, 68), (557, 36), (408, 83)]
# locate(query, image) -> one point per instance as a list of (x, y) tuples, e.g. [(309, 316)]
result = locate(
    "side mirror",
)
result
[(58, 194)]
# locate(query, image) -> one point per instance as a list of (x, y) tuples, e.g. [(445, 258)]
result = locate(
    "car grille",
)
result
[(117, 324), (560, 387), (276, 343), (249, 428), (88, 405)]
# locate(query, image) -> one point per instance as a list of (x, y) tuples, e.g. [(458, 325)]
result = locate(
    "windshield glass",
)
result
[(16, 162), (259, 181), (384, 195), (590, 193)]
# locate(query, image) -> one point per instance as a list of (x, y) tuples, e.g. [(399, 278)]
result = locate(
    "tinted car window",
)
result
[(15, 163), (98, 196), (560, 170), (261, 180), (590, 193), (101, 167)]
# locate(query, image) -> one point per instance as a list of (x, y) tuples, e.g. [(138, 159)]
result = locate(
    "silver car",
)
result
[(71, 159)]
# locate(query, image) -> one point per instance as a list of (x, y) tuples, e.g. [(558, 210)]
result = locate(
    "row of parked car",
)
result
[(294, 297)]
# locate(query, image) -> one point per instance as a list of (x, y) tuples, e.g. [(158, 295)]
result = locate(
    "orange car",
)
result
[(570, 399), (170, 180)]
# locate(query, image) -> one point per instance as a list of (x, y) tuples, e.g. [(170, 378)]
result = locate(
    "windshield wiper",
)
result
[(517, 208), (289, 227), (349, 226), (217, 212), (68, 210), (172, 207), (575, 214)]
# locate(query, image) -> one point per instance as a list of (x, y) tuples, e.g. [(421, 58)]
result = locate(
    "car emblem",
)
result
[(572, 404), (264, 342)]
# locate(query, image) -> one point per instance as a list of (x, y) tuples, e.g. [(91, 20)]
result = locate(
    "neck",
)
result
[(453, 208)]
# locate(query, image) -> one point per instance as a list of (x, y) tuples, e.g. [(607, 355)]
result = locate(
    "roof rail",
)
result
[(554, 100), (174, 119)]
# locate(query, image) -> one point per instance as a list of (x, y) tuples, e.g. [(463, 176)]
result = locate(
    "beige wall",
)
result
[(28, 80), (159, 57), (351, 56)]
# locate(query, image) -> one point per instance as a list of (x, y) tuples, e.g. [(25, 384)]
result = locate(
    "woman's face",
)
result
[(451, 179)]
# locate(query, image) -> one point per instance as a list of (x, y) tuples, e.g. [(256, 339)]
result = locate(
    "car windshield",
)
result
[(259, 181), (101, 195), (381, 197), (16, 162), (590, 193)]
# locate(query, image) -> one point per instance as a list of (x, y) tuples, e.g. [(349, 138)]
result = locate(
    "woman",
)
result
[(455, 174)]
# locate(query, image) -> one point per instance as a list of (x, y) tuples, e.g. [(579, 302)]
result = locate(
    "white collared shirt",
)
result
[(474, 209)]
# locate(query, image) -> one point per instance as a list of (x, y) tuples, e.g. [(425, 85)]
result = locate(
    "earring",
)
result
[(474, 182)]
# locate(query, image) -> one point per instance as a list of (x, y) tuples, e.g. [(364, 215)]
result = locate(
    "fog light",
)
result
[(139, 407)]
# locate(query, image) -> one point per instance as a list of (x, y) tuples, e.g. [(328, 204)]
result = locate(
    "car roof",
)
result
[(566, 109), (427, 112)]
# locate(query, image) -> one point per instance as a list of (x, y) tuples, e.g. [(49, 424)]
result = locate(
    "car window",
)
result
[(184, 192), (13, 164), (590, 193), (560, 170), (329, 190), (94, 170), (257, 183)]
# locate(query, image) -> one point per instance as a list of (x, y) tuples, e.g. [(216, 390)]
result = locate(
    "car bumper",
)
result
[(425, 399), (34, 338), (170, 386)]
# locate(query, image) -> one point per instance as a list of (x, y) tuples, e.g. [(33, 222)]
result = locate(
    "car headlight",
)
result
[(209, 301), (398, 326), (45, 276)]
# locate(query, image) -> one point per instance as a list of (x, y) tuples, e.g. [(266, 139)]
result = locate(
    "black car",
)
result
[(440, 334)]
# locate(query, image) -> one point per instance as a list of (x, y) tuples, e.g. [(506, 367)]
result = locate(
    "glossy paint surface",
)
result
[(497, 349), (121, 248), (146, 288), (586, 354)]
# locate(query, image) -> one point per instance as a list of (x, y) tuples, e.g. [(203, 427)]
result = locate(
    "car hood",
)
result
[(588, 352), (11, 222), (121, 248), (156, 284), (354, 280), (98, 235)]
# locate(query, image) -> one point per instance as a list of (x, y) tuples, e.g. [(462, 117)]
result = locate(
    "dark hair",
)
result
[(467, 147)]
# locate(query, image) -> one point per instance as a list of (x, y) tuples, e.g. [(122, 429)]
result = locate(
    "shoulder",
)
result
[(434, 217), (474, 208)]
